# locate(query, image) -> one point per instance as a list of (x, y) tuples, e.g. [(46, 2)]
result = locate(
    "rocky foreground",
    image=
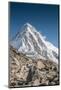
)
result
[(24, 71)]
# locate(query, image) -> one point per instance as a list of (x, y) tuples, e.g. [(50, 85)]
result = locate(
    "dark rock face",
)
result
[(27, 72)]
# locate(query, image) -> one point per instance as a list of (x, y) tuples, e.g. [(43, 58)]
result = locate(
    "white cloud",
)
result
[(44, 37)]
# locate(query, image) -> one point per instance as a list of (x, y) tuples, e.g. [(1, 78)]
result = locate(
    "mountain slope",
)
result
[(34, 45)]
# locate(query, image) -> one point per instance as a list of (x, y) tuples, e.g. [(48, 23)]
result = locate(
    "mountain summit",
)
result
[(34, 45)]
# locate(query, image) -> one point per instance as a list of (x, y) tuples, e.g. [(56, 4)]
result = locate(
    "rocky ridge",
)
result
[(25, 71)]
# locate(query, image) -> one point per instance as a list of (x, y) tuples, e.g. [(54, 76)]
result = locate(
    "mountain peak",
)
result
[(28, 24), (28, 27), (32, 43)]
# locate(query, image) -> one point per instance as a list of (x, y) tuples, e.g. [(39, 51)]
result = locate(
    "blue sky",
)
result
[(43, 17)]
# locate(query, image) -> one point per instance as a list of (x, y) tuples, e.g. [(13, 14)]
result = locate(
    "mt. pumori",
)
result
[(34, 45)]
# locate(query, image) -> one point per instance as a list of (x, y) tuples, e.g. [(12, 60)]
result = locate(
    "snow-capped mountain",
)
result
[(33, 44)]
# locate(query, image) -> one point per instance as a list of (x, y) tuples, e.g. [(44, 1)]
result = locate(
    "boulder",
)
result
[(40, 65), (36, 82)]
